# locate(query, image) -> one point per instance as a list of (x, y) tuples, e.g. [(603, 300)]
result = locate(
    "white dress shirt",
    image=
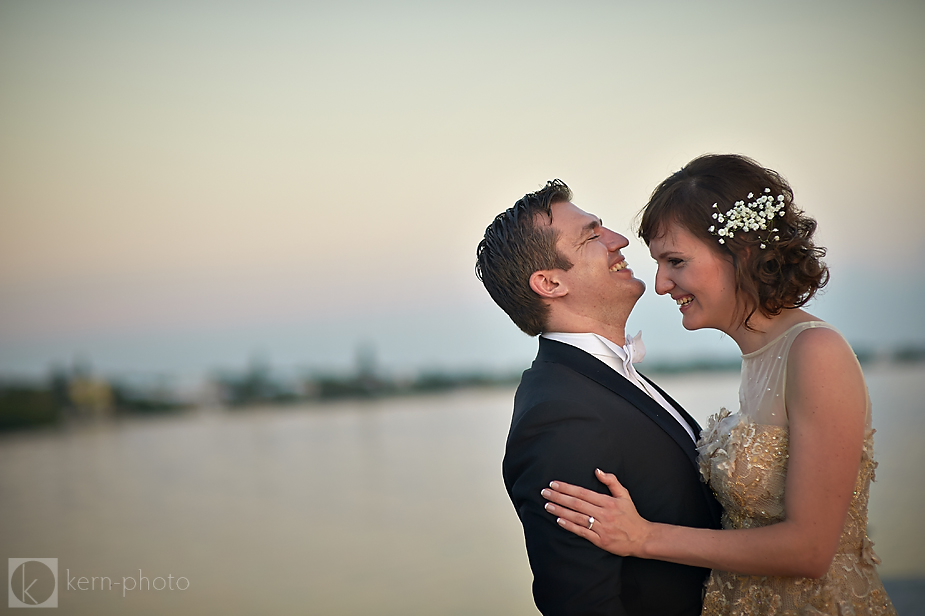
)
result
[(621, 359)]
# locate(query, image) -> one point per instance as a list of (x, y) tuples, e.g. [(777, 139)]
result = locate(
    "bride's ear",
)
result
[(547, 285)]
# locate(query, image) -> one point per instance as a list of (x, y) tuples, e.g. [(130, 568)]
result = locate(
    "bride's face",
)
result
[(698, 277)]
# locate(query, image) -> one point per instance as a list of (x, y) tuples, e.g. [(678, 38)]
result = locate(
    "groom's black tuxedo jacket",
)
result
[(572, 414)]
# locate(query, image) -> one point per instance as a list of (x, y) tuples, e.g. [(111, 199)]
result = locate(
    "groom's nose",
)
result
[(614, 240)]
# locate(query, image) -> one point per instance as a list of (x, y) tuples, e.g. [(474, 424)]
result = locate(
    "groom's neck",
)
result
[(615, 332)]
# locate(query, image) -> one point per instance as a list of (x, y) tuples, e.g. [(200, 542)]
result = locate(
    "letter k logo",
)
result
[(33, 582)]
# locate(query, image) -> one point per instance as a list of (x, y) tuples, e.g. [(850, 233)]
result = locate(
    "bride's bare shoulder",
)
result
[(822, 371)]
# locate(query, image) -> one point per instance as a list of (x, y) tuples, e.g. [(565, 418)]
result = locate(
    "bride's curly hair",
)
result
[(785, 273)]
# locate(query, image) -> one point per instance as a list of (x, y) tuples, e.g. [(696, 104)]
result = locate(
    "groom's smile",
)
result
[(599, 287)]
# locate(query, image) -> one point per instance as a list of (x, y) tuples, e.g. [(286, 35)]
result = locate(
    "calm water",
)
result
[(393, 507)]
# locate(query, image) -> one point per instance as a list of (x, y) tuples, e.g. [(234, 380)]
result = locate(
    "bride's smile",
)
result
[(695, 276)]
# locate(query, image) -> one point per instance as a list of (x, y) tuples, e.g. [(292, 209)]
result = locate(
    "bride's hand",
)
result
[(616, 526)]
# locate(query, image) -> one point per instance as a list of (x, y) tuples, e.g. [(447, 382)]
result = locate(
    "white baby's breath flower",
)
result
[(748, 217)]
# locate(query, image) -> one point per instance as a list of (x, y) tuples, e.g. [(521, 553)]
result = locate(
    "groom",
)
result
[(558, 273)]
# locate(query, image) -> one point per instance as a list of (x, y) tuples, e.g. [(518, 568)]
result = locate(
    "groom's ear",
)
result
[(547, 284)]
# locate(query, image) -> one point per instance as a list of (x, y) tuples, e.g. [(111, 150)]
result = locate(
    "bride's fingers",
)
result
[(569, 490), (610, 480), (570, 502), (581, 531), (578, 519)]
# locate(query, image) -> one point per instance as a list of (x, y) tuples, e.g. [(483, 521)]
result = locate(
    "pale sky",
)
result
[(185, 184)]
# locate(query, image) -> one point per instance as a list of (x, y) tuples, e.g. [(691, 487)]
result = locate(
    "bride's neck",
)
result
[(765, 329)]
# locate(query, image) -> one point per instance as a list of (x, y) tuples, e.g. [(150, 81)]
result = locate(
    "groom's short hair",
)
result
[(515, 246)]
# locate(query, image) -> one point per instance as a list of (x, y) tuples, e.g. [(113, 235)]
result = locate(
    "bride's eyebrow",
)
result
[(665, 254)]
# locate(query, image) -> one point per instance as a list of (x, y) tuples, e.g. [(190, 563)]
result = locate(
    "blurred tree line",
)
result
[(79, 395)]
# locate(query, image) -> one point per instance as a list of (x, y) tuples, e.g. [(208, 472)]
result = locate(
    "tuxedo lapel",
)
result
[(601, 373), (705, 488), (690, 420)]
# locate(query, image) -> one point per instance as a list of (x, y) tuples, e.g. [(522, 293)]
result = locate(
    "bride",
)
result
[(792, 468)]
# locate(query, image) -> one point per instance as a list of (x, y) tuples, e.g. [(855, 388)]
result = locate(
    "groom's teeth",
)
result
[(683, 301), (619, 266)]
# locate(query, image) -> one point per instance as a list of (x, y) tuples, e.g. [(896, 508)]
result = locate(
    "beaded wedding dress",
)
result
[(743, 457)]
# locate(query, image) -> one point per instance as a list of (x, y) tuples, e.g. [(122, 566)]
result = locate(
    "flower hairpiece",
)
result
[(749, 216)]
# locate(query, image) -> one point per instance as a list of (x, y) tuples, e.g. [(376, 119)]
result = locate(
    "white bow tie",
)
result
[(635, 350)]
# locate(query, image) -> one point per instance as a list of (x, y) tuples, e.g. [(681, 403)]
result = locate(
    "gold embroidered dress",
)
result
[(743, 457)]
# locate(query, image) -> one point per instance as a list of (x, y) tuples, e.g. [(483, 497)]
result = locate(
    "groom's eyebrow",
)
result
[(590, 228), (587, 230)]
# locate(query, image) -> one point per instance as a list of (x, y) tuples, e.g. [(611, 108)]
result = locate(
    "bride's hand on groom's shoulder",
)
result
[(609, 522)]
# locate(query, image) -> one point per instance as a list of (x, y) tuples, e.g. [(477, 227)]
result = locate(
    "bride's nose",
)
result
[(663, 283)]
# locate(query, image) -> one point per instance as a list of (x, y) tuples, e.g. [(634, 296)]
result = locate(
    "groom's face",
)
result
[(599, 282)]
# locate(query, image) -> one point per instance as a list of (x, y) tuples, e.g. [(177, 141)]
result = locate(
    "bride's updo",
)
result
[(746, 213)]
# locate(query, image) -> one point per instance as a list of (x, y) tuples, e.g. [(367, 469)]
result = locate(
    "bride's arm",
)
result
[(826, 405)]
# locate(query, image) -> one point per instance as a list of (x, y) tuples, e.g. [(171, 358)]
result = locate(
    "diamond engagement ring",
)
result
[(590, 522)]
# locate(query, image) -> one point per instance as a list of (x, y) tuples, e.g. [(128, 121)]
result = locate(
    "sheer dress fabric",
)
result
[(743, 457)]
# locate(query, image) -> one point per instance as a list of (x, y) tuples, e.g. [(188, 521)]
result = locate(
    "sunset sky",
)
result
[(186, 185)]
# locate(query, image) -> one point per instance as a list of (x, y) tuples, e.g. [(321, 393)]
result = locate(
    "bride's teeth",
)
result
[(683, 301)]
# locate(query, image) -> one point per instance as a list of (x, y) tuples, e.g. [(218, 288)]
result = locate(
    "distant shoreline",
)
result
[(68, 398)]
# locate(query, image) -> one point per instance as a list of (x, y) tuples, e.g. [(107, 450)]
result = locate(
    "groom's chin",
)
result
[(642, 287)]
